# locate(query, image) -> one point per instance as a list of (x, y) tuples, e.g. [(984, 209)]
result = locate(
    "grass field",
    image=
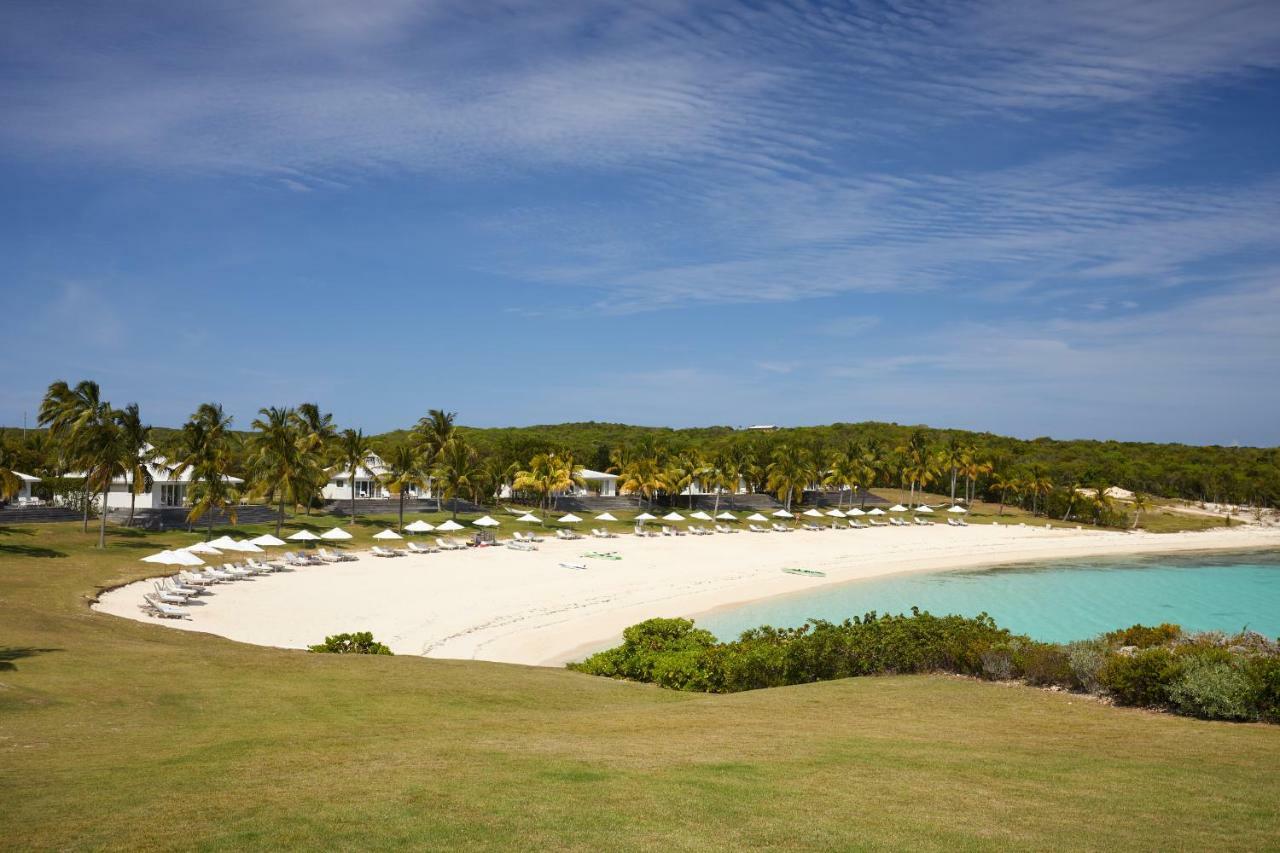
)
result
[(124, 735)]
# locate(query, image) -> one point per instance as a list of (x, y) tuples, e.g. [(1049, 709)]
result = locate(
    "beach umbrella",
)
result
[(529, 518), (569, 518), (897, 508), (387, 534), (266, 540), (700, 515), (644, 516), (835, 513), (449, 526), (673, 516), (782, 513), (247, 547), (957, 509), (165, 558), (334, 533), (201, 548), (304, 536), (224, 543), (419, 526), (812, 513), (605, 516), (923, 508), (875, 511), (756, 517), (486, 521), (727, 516), (855, 512)]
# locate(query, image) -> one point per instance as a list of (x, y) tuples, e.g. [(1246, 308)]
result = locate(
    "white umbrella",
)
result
[(897, 508), (486, 521), (782, 513), (248, 547), (957, 509), (605, 516), (727, 516), (855, 511), (266, 540), (334, 533), (201, 548), (673, 516), (224, 543), (756, 517), (923, 508), (835, 513), (164, 558), (700, 515), (304, 536), (569, 518), (529, 518), (875, 511), (387, 534), (420, 526), (812, 513), (644, 516), (449, 526)]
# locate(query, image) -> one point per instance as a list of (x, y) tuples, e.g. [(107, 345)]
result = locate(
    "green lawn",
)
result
[(123, 735)]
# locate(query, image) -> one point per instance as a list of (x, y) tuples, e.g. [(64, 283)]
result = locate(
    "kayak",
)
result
[(811, 573), (579, 566)]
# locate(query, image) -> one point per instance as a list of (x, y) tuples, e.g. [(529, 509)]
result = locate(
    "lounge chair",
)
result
[(169, 596), (163, 609), (781, 528), (379, 551), (755, 528), (808, 526), (598, 533), (567, 534), (415, 548), (875, 523), (521, 545), (922, 522), (173, 584), (199, 581), (237, 571), (530, 536), (960, 522), (857, 525)]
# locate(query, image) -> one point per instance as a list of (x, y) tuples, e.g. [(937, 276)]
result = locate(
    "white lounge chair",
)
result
[(164, 609), (809, 526), (781, 528), (379, 551), (237, 571), (875, 523), (755, 528), (415, 548), (521, 545)]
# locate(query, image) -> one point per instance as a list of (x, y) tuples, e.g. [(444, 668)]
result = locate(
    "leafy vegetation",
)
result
[(358, 643), (1204, 675)]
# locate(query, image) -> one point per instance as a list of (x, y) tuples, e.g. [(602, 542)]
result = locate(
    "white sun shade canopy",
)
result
[(419, 526), (875, 511), (644, 516), (569, 518), (174, 558), (923, 508), (529, 518), (727, 516), (897, 508), (266, 540), (957, 509), (812, 513), (700, 515), (335, 533), (485, 521), (756, 517), (224, 543), (782, 513), (201, 548), (673, 516), (247, 547), (304, 536), (387, 534), (835, 513), (449, 526), (606, 516)]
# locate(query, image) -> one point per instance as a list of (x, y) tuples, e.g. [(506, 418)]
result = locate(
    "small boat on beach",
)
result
[(582, 567), (810, 573)]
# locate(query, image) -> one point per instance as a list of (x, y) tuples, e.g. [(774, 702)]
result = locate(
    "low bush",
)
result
[(1142, 636), (1087, 658), (1264, 681), (359, 643), (1045, 664), (1141, 678), (1213, 689)]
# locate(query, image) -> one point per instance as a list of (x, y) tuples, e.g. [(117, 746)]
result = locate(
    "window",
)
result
[(341, 484), (172, 494)]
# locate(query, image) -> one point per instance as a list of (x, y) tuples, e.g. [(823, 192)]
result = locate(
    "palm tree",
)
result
[(353, 453), (405, 470), (917, 463), (432, 432), (548, 474), (953, 456), (457, 469), (790, 471), (1037, 485), (1003, 485), (276, 459), (317, 437), (10, 483), (873, 465), (1140, 502), (972, 468), (641, 476), (206, 448), (139, 453), (72, 416)]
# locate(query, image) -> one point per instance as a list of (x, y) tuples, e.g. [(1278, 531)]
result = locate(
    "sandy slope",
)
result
[(504, 605)]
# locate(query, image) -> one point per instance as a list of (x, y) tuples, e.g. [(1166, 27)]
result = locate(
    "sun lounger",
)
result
[(755, 528), (920, 522), (200, 581), (169, 596), (781, 528), (163, 609), (237, 571), (875, 523), (520, 545), (415, 548), (857, 525), (379, 551), (177, 585), (960, 522), (808, 526)]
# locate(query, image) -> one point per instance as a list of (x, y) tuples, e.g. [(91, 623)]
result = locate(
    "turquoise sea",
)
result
[(1058, 601)]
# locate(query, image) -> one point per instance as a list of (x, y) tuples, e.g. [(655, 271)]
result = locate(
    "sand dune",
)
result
[(503, 605)]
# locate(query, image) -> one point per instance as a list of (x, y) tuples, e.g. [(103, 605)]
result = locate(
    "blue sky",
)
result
[(1035, 218)]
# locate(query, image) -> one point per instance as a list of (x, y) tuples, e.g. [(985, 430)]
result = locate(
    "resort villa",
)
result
[(164, 488), (24, 496), (368, 485)]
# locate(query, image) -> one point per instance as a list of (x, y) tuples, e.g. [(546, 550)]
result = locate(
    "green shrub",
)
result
[(1142, 678), (1144, 637), (359, 643), (997, 662), (1086, 658), (1264, 681), (1045, 664), (1213, 689)]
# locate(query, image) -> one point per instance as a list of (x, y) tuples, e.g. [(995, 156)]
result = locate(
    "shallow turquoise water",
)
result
[(1060, 601)]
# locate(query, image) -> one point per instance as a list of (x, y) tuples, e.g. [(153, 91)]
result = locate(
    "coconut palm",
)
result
[(205, 448), (1140, 502), (457, 470), (791, 469), (72, 416), (353, 451), (138, 452), (641, 476), (873, 465), (10, 482), (405, 470), (432, 432), (317, 437), (276, 461), (1003, 485), (1037, 485), (953, 457), (972, 467)]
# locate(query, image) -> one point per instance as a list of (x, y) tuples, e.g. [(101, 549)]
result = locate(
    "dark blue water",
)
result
[(1059, 601)]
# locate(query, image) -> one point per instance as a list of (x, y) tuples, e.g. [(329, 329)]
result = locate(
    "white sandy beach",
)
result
[(523, 607)]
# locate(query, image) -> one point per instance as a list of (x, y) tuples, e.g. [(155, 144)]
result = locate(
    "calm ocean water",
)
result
[(1059, 601)]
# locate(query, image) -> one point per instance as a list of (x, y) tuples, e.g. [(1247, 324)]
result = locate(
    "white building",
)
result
[(167, 489), (366, 483), (597, 483), (26, 481)]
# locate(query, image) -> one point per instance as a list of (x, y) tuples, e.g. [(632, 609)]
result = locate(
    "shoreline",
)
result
[(524, 607)]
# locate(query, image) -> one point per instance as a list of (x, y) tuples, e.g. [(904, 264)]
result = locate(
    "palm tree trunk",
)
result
[(102, 525), (402, 509), (353, 495), (953, 486), (133, 499), (280, 515), (88, 499)]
